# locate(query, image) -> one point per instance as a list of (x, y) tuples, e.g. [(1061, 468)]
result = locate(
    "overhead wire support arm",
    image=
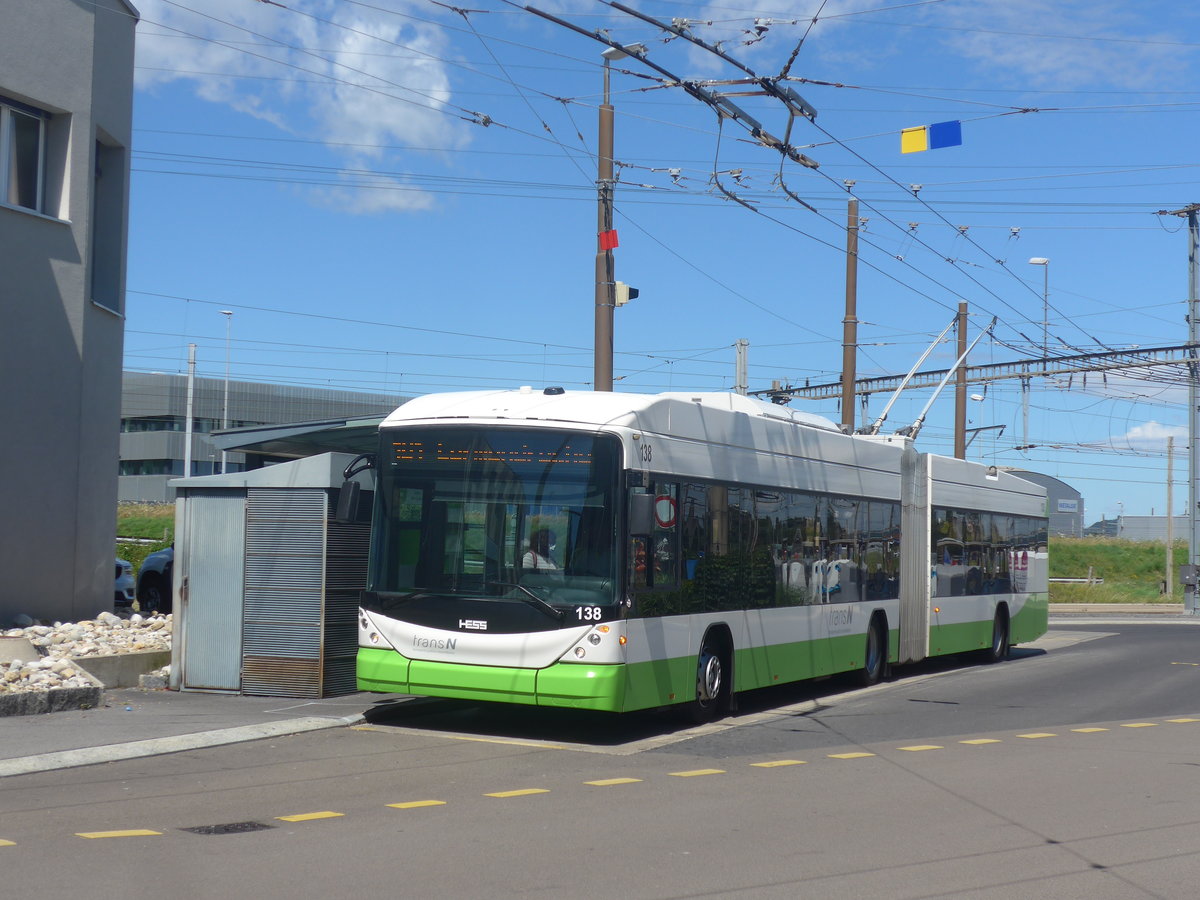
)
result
[(723, 106), (795, 104), (914, 429)]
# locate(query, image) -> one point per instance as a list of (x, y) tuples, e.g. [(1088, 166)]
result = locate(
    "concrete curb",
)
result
[(1118, 609), (122, 670), (88, 756), (32, 703)]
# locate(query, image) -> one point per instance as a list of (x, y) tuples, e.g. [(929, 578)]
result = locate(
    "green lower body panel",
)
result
[(1032, 621), (385, 671), (959, 638), (563, 684)]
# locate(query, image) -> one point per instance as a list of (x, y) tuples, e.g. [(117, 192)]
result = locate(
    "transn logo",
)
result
[(473, 624)]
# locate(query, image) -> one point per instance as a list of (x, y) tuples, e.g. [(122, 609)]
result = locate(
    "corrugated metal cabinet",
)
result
[(267, 581)]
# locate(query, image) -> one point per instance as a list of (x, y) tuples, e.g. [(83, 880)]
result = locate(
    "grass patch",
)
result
[(149, 521), (135, 553), (1133, 571), (152, 524)]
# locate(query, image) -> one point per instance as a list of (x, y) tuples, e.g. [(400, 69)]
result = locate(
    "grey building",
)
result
[(1152, 528), (1064, 504), (66, 98), (154, 425)]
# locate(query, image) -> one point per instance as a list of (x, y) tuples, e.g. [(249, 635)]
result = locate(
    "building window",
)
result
[(109, 189), (22, 155)]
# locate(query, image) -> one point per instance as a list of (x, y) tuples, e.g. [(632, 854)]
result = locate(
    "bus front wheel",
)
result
[(712, 682)]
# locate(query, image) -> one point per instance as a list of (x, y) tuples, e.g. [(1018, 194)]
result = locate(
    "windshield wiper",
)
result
[(385, 600), (532, 599)]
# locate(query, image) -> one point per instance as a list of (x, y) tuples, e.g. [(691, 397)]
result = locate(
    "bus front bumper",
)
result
[(570, 685)]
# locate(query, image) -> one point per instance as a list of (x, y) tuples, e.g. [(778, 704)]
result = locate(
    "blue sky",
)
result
[(400, 197)]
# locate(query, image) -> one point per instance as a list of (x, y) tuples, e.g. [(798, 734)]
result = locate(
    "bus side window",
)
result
[(664, 546), (639, 567)]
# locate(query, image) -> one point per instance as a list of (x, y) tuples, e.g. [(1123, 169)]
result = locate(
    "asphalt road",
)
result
[(1068, 771)]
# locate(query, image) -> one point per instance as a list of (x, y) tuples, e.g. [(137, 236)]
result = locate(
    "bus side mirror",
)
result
[(641, 513), (348, 501)]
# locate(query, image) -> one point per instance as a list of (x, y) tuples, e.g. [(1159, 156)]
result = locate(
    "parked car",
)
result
[(154, 581), (123, 591)]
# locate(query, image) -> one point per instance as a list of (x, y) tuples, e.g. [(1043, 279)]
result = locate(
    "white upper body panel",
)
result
[(731, 437)]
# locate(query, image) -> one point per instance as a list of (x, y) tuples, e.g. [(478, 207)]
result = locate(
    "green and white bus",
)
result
[(621, 552)]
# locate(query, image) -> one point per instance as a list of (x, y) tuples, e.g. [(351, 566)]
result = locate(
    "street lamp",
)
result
[(605, 276), (1045, 264), (228, 314)]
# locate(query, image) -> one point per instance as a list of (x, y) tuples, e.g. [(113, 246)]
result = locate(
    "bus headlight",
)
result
[(593, 639), (580, 652)]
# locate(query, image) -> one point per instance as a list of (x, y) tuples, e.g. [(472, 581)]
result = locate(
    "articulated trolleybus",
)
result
[(619, 552)]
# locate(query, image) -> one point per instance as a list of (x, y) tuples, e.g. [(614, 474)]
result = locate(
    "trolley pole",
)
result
[(850, 322), (1192, 601)]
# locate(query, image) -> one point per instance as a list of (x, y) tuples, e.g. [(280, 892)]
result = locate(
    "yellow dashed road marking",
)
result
[(308, 817), (1089, 730), (780, 762), (1185, 664), (4, 843), (1140, 725), (521, 793), (982, 741), (1037, 734), (850, 755), (1182, 721), (416, 804), (919, 747), (136, 832), (695, 772), (605, 782), (540, 745)]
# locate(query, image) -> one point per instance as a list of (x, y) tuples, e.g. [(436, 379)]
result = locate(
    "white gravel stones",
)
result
[(63, 642)]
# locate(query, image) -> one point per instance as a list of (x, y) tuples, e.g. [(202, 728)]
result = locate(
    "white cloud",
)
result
[(339, 74), (1151, 436), (1001, 38)]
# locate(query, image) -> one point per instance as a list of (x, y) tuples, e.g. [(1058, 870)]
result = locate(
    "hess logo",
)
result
[(473, 624)]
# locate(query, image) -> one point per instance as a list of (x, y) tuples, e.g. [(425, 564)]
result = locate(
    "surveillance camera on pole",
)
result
[(624, 293)]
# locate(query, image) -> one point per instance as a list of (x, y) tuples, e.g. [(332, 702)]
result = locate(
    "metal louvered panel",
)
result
[(284, 605), (303, 577)]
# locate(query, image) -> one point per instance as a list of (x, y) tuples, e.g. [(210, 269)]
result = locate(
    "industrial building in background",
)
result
[(1064, 504), (66, 105), (154, 425)]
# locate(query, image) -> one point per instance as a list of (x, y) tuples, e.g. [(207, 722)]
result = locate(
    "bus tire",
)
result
[(1000, 638), (875, 653), (714, 671)]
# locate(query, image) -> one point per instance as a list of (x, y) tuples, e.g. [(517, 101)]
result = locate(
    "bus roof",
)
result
[(651, 412)]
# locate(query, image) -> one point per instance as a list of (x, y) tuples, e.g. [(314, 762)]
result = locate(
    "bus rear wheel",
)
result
[(874, 655), (1000, 641)]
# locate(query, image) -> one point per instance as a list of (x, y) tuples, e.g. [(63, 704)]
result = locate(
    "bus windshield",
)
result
[(522, 514)]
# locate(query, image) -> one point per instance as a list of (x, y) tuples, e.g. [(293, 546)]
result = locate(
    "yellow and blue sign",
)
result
[(931, 137)]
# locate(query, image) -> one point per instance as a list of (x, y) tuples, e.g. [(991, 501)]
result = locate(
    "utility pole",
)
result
[(187, 428), (605, 277), (1168, 582), (606, 238), (850, 322), (1192, 601), (960, 389), (228, 314)]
